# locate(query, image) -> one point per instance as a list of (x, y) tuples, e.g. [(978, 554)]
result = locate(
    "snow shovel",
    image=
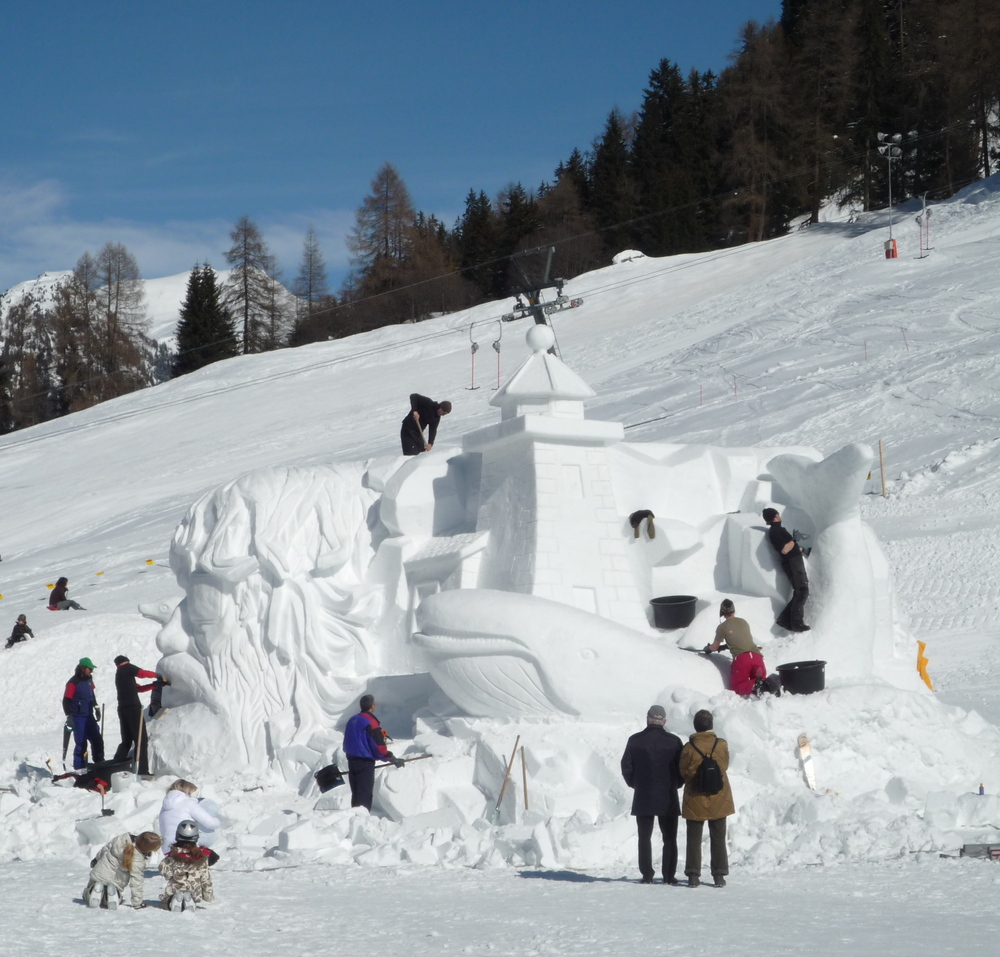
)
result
[(495, 820), (332, 777)]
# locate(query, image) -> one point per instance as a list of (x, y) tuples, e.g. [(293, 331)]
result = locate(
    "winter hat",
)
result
[(86, 663), (22, 617), (120, 660), (769, 514), (656, 715)]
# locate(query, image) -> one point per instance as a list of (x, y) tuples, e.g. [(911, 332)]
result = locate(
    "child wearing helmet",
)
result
[(21, 632), (119, 864), (185, 868)]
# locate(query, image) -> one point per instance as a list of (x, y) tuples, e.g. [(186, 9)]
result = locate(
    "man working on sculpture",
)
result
[(790, 553), (424, 413), (749, 673)]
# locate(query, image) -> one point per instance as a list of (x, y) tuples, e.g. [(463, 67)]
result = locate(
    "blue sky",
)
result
[(160, 124)]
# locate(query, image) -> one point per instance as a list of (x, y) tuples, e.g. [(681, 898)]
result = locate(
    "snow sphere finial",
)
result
[(540, 338)]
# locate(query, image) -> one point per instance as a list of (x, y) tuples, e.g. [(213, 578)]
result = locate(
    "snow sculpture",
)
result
[(271, 640), (508, 572)]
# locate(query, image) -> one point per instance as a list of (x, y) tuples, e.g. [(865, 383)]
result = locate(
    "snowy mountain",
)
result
[(811, 340)]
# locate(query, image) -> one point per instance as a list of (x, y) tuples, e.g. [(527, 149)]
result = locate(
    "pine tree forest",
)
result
[(707, 161)]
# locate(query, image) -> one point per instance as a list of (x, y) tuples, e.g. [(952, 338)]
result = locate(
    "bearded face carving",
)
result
[(271, 641)]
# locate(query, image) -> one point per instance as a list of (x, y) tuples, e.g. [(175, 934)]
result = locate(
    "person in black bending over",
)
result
[(651, 767), (364, 744), (130, 711), (21, 632), (790, 553), (424, 413)]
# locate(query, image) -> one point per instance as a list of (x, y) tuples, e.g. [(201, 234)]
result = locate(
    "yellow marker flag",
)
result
[(922, 662)]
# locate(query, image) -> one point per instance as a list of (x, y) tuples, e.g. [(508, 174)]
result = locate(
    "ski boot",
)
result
[(95, 895), (113, 897)]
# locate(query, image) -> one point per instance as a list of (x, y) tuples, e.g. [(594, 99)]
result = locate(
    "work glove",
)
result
[(707, 650), (398, 762)]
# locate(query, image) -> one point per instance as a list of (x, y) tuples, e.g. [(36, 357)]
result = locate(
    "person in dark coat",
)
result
[(790, 553), (130, 711), (79, 703), (21, 632), (364, 744), (58, 600), (699, 807), (651, 767), (424, 414)]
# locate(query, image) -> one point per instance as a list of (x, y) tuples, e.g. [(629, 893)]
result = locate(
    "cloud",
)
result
[(38, 235)]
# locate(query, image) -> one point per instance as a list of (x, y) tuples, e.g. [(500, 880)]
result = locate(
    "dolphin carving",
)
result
[(497, 654)]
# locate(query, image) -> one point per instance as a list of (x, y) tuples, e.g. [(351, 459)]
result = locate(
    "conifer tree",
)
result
[(612, 188), (248, 292), (205, 332), (310, 284)]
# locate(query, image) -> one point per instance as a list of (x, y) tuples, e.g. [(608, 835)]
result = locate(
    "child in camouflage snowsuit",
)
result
[(186, 869)]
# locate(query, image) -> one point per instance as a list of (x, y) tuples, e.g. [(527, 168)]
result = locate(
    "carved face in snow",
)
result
[(269, 644)]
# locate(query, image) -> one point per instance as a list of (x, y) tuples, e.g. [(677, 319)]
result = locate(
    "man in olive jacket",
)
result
[(651, 767), (698, 807)]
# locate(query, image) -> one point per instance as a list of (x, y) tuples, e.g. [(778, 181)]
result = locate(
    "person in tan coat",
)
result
[(697, 808)]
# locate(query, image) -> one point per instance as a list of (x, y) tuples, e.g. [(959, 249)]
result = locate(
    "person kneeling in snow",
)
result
[(185, 867), (748, 674), (120, 863)]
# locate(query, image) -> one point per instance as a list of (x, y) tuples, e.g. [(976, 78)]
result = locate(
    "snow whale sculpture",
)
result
[(498, 654)]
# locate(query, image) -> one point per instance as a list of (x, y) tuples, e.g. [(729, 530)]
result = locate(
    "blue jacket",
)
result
[(79, 697), (362, 740)]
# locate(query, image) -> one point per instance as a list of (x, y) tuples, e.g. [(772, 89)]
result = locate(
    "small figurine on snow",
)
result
[(21, 632), (120, 863), (186, 869)]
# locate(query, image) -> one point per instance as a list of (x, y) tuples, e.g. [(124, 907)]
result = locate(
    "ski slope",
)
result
[(813, 339)]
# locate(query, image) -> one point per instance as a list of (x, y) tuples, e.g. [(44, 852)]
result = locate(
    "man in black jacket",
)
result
[(790, 553), (424, 414), (130, 711), (651, 767)]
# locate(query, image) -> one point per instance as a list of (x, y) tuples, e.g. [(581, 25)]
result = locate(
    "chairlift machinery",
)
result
[(528, 295)]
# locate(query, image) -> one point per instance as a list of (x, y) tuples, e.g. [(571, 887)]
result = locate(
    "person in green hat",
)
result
[(79, 703)]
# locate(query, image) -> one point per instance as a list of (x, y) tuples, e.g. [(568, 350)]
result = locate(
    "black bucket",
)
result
[(803, 677), (674, 611)]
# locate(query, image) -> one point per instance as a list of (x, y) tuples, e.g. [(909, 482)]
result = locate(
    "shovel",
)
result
[(332, 777), (510, 764)]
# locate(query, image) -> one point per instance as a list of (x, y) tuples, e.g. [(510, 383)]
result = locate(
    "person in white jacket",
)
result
[(181, 805), (119, 864)]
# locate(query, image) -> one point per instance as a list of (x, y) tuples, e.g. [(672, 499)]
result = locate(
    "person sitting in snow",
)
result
[(79, 703), (364, 744), (790, 553), (186, 869), (748, 674), (58, 600), (119, 864), (21, 632)]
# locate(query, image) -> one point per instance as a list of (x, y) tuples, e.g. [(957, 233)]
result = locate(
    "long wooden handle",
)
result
[(506, 777)]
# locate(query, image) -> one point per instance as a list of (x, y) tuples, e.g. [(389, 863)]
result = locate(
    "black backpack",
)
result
[(708, 778)]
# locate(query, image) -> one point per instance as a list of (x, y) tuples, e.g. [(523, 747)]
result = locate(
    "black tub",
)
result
[(673, 611), (803, 677)]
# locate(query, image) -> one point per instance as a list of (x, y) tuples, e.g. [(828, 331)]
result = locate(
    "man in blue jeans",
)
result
[(364, 744), (79, 703)]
